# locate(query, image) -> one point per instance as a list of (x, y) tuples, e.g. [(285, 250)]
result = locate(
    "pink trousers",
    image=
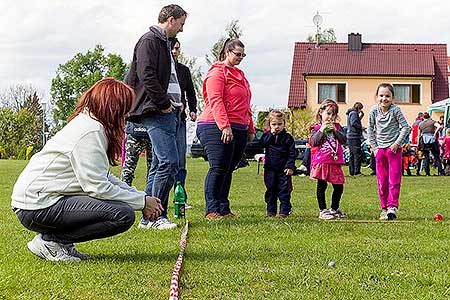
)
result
[(389, 176)]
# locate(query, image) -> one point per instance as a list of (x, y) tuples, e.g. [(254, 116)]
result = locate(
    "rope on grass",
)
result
[(176, 270)]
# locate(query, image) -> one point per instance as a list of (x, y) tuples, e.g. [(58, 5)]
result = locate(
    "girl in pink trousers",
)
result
[(386, 130)]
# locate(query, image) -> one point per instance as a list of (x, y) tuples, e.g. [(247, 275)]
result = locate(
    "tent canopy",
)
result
[(439, 106)]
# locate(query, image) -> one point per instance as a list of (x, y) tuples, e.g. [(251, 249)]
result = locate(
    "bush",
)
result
[(28, 152), (3, 154), (22, 154)]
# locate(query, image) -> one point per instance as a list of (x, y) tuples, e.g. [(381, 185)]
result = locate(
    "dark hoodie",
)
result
[(280, 151), (149, 75), (354, 127)]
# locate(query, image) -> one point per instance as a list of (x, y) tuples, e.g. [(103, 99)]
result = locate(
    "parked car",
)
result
[(251, 149)]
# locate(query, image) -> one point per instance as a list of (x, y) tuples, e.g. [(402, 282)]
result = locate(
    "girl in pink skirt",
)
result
[(327, 158)]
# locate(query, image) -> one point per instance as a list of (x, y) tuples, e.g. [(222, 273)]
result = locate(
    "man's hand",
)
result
[(193, 116), (153, 208), (289, 172), (251, 137)]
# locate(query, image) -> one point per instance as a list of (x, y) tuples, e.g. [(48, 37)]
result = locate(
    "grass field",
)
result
[(252, 257)]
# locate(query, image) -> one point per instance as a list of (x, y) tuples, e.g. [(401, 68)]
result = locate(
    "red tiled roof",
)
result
[(374, 60), (369, 63)]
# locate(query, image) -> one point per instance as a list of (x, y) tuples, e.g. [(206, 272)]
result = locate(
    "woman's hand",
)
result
[(251, 137), (227, 135), (153, 208)]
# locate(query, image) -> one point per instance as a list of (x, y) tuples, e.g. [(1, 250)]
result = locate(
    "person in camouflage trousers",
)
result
[(136, 141)]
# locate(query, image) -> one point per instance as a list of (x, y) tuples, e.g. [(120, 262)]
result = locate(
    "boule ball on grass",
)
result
[(331, 264)]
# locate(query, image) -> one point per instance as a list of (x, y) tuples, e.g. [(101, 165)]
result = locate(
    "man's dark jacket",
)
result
[(149, 75), (187, 88)]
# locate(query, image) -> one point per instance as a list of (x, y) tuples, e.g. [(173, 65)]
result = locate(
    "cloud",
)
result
[(37, 36)]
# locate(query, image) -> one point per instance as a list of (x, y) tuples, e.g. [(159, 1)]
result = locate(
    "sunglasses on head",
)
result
[(239, 54)]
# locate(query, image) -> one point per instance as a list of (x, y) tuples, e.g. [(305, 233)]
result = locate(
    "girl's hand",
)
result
[(394, 147), (375, 152), (227, 135), (323, 127), (289, 172)]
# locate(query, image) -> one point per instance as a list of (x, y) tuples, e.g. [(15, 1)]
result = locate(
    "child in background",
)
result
[(386, 130), (279, 165), (446, 152), (327, 158)]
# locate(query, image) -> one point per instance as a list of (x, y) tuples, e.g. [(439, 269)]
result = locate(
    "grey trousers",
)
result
[(75, 219)]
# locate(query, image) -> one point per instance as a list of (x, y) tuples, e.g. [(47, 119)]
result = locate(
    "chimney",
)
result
[(354, 42)]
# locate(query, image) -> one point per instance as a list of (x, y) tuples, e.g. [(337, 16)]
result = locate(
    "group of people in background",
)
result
[(67, 194)]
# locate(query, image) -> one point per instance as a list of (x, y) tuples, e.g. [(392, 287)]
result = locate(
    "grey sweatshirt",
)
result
[(386, 128)]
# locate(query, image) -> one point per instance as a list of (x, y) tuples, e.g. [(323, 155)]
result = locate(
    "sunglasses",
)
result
[(239, 54)]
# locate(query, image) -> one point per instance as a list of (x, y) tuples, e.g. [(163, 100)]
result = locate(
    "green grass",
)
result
[(252, 257)]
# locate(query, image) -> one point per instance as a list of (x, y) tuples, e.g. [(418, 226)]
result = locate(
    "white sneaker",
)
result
[(325, 214), (303, 168), (161, 223), (383, 214), (188, 205), (391, 213), (143, 223), (71, 250), (49, 250)]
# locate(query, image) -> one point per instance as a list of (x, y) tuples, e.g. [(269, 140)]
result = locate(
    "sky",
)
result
[(37, 36)]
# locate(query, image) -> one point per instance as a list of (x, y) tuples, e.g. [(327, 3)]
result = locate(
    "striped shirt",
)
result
[(174, 90), (386, 128)]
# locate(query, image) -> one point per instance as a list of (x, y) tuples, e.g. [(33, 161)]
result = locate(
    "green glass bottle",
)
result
[(179, 200)]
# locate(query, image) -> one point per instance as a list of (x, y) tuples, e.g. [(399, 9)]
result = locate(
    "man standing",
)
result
[(428, 130), (158, 103), (187, 93), (354, 138)]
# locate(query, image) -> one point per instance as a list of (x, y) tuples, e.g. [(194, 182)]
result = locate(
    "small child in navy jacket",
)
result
[(279, 164)]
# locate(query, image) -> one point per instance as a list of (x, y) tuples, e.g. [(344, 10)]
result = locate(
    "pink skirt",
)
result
[(331, 173)]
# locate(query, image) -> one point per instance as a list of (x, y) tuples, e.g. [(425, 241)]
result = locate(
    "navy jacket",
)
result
[(187, 89), (280, 151), (354, 126)]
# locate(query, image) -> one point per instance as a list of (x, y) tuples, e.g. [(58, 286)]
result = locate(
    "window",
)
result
[(407, 93), (335, 91)]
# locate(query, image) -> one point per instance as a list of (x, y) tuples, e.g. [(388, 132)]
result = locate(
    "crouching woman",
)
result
[(66, 193)]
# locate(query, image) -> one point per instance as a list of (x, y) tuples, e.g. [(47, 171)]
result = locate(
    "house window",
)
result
[(407, 93), (335, 91)]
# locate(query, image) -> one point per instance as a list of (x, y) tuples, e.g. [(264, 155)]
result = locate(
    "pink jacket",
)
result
[(323, 154), (227, 95)]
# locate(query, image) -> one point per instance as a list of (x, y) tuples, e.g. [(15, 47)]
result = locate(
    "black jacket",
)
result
[(280, 151), (354, 127), (187, 88), (149, 75)]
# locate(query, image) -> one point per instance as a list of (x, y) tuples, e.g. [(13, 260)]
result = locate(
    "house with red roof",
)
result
[(350, 72)]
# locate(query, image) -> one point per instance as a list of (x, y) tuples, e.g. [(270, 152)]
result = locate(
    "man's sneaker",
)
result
[(71, 250), (49, 250), (383, 214), (338, 213), (325, 214), (161, 223), (391, 213)]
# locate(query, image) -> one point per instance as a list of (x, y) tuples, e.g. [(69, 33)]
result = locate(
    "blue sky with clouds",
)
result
[(37, 36)]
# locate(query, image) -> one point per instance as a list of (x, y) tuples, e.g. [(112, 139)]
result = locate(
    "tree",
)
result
[(233, 31), (16, 96), (18, 130), (326, 36), (77, 75)]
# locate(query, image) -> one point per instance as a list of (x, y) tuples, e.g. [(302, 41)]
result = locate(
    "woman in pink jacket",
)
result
[(224, 126)]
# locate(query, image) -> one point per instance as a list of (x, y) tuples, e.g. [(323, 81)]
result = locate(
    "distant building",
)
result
[(350, 72)]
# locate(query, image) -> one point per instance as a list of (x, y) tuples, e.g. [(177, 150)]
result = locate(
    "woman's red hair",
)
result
[(108, 101)]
